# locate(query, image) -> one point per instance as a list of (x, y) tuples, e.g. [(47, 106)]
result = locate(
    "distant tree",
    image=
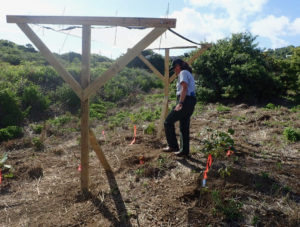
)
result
[(234, 68)]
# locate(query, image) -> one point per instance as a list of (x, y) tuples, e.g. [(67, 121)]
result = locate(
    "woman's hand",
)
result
[(178, 107)]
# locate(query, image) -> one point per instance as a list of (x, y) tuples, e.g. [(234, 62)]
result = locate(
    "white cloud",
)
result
[(295, 27), (274, 28), (235, 8)]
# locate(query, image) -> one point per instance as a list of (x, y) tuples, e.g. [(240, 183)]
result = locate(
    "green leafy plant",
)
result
[(218, 142), (150, 129), (10, 132), (7, 169), (10, 110), (38, 144), (291, 134), (222, 108), (37, 128), (229, 207)]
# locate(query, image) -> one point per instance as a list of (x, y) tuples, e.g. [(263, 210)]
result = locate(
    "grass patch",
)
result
[(291, 134)]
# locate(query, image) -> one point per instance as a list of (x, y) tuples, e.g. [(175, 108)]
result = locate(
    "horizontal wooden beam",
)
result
[(172, 48), (108, 21)]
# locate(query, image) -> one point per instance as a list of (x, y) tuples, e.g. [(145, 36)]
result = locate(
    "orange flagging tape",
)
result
[(79, 168), (133, 141), (208, 165), (0, 176), (229, 152)]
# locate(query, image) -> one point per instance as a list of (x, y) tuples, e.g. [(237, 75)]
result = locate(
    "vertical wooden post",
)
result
[(164, 110), (85, 80)]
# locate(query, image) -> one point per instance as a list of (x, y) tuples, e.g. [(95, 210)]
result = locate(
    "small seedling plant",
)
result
[(218, 143), (6, 169)]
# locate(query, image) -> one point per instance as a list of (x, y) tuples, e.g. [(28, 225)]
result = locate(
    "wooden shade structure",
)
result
[(86, 89), (168, 80)]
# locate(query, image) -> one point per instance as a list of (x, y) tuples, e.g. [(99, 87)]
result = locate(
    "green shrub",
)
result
[(10, 111), (150, 129), (67, 97), (99, 110), (205, 94), (218, 143), (61, 120), (222, 109), (10, 132), (37, 128), (33, 98), (38, 144), (291, 134)]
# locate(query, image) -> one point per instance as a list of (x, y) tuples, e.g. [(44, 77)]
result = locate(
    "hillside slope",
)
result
[(257, 186)]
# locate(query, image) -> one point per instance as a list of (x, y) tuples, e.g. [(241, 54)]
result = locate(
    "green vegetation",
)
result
[(218, 143), (230, 208), (291, 134), (235, 69), (10, 132)]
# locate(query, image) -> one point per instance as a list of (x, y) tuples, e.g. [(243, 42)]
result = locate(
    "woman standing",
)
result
[(182, 112)]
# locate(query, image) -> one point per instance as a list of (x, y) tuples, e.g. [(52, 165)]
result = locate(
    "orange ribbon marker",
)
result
[(229, 152), (142, 160), (208, 165), (79, 168), (0, 176), (133, 141)]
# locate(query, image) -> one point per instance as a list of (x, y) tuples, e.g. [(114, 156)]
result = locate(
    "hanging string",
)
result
[(181, 36)]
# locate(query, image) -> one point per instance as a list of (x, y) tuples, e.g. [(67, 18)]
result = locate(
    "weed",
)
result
[(255, 220), (295, 109), (7, 169), (218, 142), (37, 128), (228, 207), (150, 129), (140, 172), (61, 120), (225, 171), (265, 175), (222, 109), (38, 144), (271, 106), (10, 132), (279, 165), (291, 134)]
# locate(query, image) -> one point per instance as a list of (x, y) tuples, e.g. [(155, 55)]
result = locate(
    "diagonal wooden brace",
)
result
[(150, 66), (122, 62), (51, 59), (96, 147)]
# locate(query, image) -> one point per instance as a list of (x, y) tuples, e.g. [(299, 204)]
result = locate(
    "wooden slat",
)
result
[(173, 48), (150, 66), (107, 21), (193, 58), (51, 59), (122, 62), (85, 80), (164, 110), (96, 147)]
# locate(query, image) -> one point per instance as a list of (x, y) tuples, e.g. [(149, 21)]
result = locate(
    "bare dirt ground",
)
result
[(260, 186)]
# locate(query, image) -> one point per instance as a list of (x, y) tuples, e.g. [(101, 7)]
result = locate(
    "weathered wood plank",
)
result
[(164, 110), (122, 62), (107, 21), (67, 77), (150, 66), (193, 58), (96, 147), (85, 80)]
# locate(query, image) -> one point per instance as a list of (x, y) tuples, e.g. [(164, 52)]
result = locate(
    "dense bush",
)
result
[(34, 99), (10, 111), (235, 69), (10, 132)]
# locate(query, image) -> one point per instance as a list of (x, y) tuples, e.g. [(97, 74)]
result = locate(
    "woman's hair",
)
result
[(185, 66)]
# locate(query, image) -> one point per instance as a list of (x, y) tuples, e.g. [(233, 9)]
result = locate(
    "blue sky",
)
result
[(275, 22)]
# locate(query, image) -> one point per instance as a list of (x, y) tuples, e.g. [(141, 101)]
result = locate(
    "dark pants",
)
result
[(183, 116)]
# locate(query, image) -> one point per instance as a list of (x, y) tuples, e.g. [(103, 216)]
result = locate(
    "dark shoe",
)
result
[(182, 154), (170, 149)]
